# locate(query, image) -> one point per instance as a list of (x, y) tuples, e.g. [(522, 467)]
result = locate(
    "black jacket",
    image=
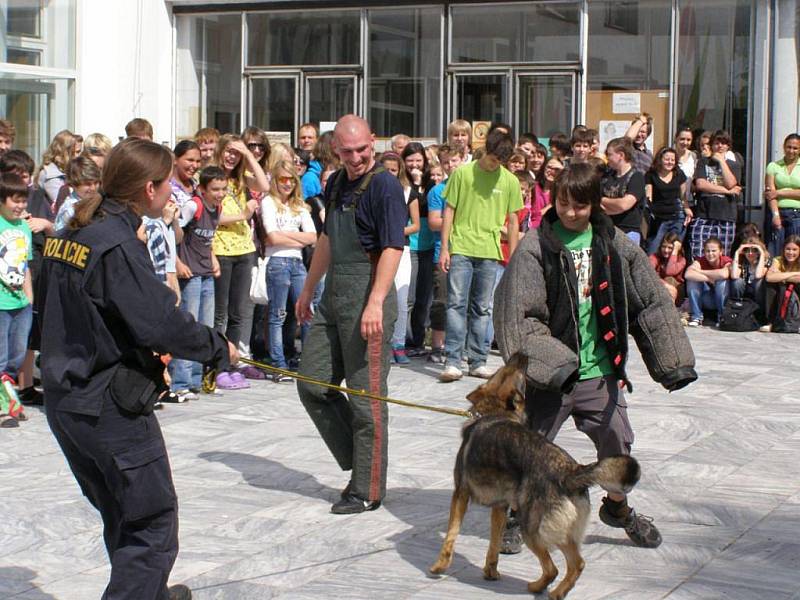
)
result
[(99, 300)]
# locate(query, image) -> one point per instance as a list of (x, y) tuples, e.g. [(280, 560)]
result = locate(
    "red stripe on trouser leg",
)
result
[(374, 345)]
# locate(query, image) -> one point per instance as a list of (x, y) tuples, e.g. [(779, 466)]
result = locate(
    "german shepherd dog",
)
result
[(502, 464)]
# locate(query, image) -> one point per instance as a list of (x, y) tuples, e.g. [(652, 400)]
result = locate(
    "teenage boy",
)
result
[(480, 196), (206, 139), (581, 145), (83, 177), (199, 218), (638, 132), (139, 128), (565, 301), (717, 189), (16, 290), (450, 159)]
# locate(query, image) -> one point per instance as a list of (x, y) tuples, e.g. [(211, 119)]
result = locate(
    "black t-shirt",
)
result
[(667, 202), (381, 214), (632, 183), (720, 207)]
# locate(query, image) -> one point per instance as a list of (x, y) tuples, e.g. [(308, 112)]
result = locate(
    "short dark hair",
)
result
[(720, 135), (16, 160), (527, 137), (713, 240), (184, 146), (11, 184), (582, 136), (211, 173), (581, 183), (500, 145), (560, 142)]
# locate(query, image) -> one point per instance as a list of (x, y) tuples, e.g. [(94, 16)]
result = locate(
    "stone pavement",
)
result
[(721, 476)]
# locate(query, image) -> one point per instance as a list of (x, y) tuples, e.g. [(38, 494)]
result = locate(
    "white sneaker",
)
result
[(484, 372), (185, 395), (450, 373)]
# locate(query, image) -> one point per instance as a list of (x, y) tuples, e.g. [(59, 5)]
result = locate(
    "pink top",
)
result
[(541, 200), (674, 267)]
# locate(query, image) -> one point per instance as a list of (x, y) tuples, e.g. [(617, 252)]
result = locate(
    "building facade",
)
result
[(542, 66)]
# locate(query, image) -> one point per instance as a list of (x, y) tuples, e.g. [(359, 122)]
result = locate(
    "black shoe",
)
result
[(179, 592), (512, 538), (346, 491), (640, 528), (351, 504), (30, 396), (8, 422)]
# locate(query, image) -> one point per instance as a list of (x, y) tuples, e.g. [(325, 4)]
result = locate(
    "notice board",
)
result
[(600, 106)]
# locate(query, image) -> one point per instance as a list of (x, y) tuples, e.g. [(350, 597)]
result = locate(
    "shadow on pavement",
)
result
[(19, 580)]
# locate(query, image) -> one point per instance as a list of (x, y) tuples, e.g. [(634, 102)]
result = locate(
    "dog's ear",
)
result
[(519, 361)]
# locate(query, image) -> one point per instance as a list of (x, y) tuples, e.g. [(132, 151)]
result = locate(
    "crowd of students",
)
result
[(238, 197)]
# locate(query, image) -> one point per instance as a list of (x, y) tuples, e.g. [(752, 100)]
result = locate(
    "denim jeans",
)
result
[(197, 298), (490, 329), (470, 283), (285, 279), (706, 296), (420, 296), (790, 225), (662, 228), (15, 326)]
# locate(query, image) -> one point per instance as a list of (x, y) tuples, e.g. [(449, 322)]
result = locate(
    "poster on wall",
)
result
[(624, 103), (614, 129), (285, 137)]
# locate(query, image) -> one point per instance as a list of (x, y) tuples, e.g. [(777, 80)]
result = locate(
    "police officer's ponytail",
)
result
[(129, 166)]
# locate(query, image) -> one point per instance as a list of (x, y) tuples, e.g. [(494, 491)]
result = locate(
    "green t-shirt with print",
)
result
[(16, 249), (482, 201), (594, 361)]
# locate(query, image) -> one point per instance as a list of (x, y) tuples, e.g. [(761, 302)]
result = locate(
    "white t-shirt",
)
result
[(287, 221)]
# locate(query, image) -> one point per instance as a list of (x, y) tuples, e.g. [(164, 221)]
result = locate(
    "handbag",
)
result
[(258, 281)]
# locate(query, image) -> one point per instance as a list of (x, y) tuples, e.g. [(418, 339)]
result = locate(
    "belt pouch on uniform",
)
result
[(137, 382)]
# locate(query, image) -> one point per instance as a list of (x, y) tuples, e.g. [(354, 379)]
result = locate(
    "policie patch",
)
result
[(67, 251)]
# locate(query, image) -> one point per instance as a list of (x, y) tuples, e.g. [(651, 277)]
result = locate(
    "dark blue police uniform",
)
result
[(102, 310)]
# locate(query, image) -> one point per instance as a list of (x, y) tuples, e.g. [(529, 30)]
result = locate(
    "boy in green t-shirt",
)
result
[(480, 196), (16, 291), (566, 301)]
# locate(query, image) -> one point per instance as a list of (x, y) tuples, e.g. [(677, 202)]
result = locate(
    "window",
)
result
[(304, 38), (629, 45), (405, 71), (503, 33), (35, 32), (209, 80), (714, 66)]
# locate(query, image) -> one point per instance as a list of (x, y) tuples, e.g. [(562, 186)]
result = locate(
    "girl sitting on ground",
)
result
[(670, 264)]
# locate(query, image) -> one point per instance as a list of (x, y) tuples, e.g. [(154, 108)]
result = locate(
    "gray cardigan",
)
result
[(521, 317)]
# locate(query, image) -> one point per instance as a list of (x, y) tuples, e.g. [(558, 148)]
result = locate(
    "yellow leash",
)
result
[(210, 384)]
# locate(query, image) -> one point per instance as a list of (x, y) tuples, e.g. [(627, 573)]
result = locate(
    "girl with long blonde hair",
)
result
[(52, 174)]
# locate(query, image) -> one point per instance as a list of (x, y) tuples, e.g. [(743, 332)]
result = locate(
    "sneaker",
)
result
[(763, 329), (693, 322), (178, 397), (437, 356), (179, 592), (251, 372), (30, 396), (483, 372), (350, 504), (640, 528), (399, 355), (512, 538), (231, 381), (8, 422), (281, 378), (416, 352), (450, 373)]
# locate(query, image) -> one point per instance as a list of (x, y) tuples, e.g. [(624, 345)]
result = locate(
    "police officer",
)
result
[(349, 338), (104, 313)]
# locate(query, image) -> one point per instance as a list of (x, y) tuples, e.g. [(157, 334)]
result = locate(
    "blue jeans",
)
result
[(15, 326), (470, 283), (285, 279), (197, 298), (790, 225), (706, 296), (663, 228)]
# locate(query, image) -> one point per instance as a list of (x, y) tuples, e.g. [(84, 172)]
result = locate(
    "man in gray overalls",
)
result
[(349, 337)]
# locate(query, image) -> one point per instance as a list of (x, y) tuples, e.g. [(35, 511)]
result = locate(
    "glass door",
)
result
[(329, 97), (481, 96), (545, 103), (274, 103)]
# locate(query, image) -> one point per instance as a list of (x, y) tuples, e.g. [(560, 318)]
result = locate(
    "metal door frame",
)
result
[(519, 73)]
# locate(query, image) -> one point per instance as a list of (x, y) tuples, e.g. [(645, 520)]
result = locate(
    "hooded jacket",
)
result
[(536, 309)]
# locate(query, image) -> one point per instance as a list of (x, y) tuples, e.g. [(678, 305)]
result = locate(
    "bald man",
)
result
[(349, 338)]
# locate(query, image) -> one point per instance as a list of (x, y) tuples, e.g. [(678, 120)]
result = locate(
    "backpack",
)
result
[(787, 315), (739, 314)]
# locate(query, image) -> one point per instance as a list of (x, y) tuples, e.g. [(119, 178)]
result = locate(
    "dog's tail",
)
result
[(616, 474)]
